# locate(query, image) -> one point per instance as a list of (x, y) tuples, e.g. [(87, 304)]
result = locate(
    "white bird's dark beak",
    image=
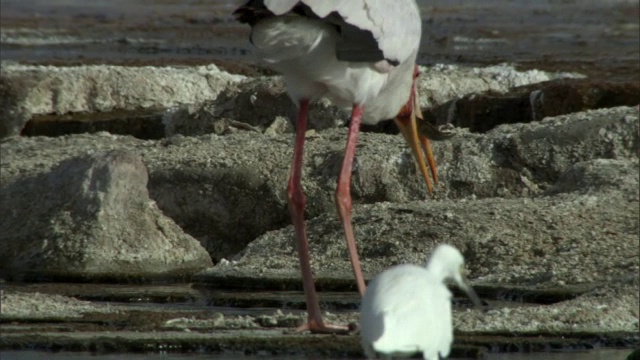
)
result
[(473, 296), (463, 284)]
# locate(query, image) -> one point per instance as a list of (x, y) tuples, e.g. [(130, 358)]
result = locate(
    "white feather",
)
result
[(406, 324), (304, 51), (396, 24), (407, 308), (280, 7)]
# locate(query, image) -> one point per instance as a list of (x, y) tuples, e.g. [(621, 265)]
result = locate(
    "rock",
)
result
[(523, 159), (540, 204), (280, 125), (13, 114), (203, 95), (257, 102), (90, 217), (40, 90), (261, 100), (609, 313), (223, 190), (228, 190), (441, 83), (24, 305), (541, 242), (242, 178), (598, 174), (481, 112)]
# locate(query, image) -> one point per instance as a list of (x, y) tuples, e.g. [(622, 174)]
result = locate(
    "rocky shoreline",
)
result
[(144, 157), (544, 205)]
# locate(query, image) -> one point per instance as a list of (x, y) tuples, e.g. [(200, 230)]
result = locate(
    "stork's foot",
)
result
[(321, 328)]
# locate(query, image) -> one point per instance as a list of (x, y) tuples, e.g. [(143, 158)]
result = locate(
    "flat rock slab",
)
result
[(441, 83), (49, 94), (481, 112), (66, 324), (39, 90)]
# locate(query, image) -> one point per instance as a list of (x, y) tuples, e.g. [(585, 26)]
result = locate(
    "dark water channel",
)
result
[(137, 330), (604, 354)]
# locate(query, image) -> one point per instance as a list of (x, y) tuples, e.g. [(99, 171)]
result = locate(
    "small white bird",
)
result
[(407, 308), (361, 54)]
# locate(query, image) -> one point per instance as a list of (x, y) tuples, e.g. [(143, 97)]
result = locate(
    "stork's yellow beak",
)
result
[(418, 141)]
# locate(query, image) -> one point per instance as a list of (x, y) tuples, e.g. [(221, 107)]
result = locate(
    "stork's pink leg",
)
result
[(297, 202), (343, 194)]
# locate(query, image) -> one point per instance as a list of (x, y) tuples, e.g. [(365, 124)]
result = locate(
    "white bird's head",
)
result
[(446, 262)]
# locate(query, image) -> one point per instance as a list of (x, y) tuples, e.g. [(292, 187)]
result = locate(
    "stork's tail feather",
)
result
[(255, 10), (252, 12)]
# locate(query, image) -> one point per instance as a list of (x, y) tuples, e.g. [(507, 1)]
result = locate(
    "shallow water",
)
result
[(602, 354), (544, 33)]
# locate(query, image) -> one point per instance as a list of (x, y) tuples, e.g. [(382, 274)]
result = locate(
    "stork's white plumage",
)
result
[(407, 308), (353, 66), (359, 53)]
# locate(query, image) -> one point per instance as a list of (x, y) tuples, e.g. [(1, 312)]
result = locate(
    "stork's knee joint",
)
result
[(343, 201)]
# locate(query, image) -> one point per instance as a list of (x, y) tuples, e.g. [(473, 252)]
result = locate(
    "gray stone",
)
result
[(480, 112), (441, 83), (257, 102), (280, 125), (38, 90), (542, 204), (91, 217), (13, 115), (541, 242), (598, 174), (518, 159), (205, 94), (228, 190)]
